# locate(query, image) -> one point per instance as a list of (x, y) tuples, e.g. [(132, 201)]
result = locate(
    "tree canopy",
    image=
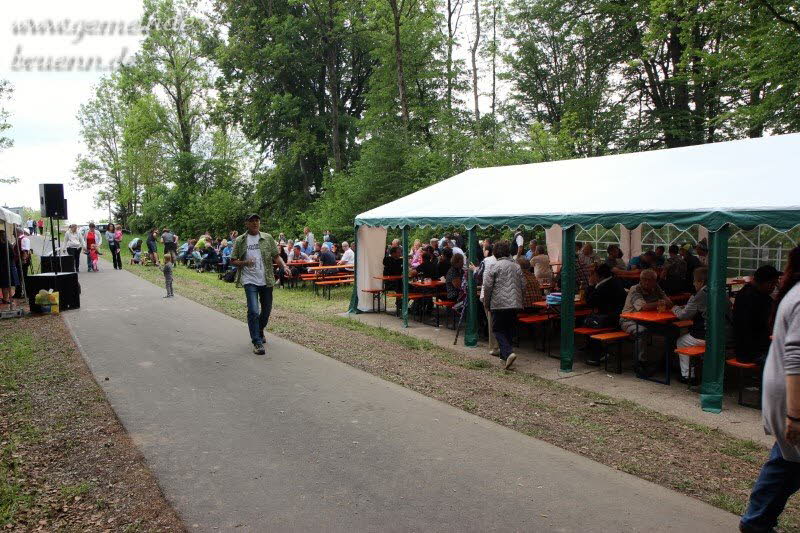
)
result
[(310, 111)]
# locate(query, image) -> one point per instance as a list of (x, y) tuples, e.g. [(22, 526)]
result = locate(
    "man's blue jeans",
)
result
[(258, 315), (776, 483)]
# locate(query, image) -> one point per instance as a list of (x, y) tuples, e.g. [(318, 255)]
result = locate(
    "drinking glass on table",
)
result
[(662, 306)]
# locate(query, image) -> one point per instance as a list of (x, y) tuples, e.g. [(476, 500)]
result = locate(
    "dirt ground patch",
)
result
[(66, 462), (690, 458)]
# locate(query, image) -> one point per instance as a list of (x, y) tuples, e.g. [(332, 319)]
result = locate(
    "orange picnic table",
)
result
[(629, 274), (322, 268), (654, 317), (657, 319), (432, 284), (542, 304)]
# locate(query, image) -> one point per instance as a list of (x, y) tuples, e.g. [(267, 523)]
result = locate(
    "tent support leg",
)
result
[(567, 298), (405, 276), (471, 333), (354, 296), (714, 359)]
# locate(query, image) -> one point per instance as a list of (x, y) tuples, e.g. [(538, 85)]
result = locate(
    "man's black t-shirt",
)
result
[(392, 266), (752, 310), (428, 270), (327, 258)]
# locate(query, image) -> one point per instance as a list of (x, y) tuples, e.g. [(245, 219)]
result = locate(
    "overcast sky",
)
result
[(44, 104)]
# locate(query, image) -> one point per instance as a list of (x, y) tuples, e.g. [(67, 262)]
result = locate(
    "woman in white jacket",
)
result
[(73, 244)]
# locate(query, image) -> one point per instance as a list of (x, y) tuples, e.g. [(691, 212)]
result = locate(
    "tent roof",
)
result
[(9, 217), (746, 183)]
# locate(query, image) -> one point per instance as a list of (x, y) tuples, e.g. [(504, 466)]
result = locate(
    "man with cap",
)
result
[(253, 254)]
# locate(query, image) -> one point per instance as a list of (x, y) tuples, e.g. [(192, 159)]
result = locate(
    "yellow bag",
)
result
[(53, 296)]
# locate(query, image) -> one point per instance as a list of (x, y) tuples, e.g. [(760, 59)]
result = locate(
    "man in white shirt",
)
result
[(457, 250), (309, 237), (520, 240), (25, 250), (348, 257), (253, 254), (296, 254)]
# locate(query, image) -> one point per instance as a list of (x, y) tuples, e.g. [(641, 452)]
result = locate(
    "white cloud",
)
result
[(45, 104)]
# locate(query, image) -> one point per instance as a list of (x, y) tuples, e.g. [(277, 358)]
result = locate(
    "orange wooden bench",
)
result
[(755, 370), (610, 339), (447, 305), (328, 284), (376, 297), (695, 353), (533, 320)]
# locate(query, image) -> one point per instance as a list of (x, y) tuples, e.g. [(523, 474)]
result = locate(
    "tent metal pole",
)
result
[(471, 333), (405, 276), (567, 298), (714, 359), (354, 297)]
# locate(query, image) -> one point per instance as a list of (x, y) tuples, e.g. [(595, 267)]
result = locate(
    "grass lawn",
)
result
[(66, 463), (690, 458)]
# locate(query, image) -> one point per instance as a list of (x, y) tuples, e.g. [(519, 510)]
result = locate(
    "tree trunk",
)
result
[(494, 60), (398, 56), (332, 56), (474, 52)]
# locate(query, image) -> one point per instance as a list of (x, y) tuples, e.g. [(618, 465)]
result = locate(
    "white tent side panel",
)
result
[(369, 249), (552, 236), (10, 217)]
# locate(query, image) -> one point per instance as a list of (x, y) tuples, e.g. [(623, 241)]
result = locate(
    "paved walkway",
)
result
[(298, 441)]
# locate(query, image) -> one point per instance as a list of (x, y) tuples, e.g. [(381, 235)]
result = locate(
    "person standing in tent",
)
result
[(780, 475), (503, 289), (253, 254)]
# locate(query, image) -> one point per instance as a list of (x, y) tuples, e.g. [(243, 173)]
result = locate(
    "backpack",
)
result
[(228, 276)]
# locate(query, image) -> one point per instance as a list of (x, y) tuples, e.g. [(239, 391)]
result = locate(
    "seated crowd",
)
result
[(510, 279), (209, 254)]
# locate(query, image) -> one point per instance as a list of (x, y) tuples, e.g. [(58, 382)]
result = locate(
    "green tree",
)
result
[(561, 67), (100, 168), (294, 77), (5, 142)]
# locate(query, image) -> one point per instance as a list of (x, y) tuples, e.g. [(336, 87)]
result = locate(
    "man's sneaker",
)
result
[(495, 353), (510, 360), (258, 349)]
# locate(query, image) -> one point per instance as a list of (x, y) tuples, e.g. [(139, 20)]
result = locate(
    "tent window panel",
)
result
[(599, 237), (668, 235), (763, 245)]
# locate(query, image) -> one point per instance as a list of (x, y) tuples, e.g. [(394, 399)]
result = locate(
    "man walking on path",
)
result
[(253, 254)]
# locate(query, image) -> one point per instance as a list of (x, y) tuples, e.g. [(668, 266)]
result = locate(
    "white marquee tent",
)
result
[(744, 183)]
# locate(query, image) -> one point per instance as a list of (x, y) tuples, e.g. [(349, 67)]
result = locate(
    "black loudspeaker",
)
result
[(65, 283), (51, 200), (64, 263)]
